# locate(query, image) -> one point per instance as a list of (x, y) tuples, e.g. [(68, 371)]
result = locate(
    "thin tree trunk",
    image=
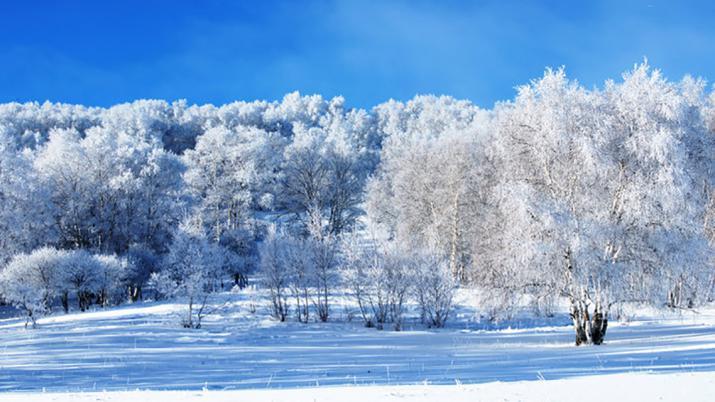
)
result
[(65, 301), (454, 263)]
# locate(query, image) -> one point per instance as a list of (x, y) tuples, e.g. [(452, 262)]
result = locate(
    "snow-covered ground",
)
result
[(690, 387), (240, 355)]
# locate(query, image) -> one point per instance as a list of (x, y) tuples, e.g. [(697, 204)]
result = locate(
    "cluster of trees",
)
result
[(302, 269), (144, 181), (599, 197), (595, 196), (383, 276), (35, 281), (303, 273)]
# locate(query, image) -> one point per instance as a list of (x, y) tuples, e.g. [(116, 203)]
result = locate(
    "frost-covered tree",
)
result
[(240, 250), (59, 273), (323, 255), (112, 271), (434, 287), (188, 272), (64, 170), (109, 190), (28, 125), (427, 114), (300, 268), (379, 276), (23, 218), (141, 263), (708, 292), (227, 171), (275, 273), (82, 275), (324, 172), (31, 282), (427, 192), (603, 203), (21, 287), (305, 267), (428, 187), (230, 176), (305, 178)]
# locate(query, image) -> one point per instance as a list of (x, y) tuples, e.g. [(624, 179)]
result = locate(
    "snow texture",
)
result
[(141, 347)]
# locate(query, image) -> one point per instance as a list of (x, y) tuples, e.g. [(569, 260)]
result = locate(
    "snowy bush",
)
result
[(141, 263), (380, 281), (188, 272), (353, 270), (305, 267), (110, 274), (241, 254), (299, 266), (22, 288), (274, 274), (57, 273), (323, 256), (31, 282), (434, 286), (83, 274)]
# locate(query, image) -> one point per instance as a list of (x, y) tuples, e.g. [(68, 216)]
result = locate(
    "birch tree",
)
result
[(599, 177)]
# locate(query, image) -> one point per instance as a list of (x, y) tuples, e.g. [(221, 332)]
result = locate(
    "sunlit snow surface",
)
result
[(142, 347)]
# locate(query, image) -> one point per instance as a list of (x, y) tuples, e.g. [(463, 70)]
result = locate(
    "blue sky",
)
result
[(102, 52)]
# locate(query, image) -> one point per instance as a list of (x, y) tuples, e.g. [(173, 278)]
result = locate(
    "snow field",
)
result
[(240, 354)]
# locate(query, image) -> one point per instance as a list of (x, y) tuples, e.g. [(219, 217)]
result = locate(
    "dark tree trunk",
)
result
[(84, 300), (599, 327), (240, 280), (65, 298), (135, 293), (590, 329)]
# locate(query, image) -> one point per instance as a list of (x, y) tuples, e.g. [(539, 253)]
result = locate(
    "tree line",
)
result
[(599, 197)]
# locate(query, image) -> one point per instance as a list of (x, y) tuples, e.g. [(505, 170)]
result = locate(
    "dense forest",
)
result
[(597, 197)]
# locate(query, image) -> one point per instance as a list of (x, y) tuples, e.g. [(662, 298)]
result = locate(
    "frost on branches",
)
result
[(187, 272), (35, 282)]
